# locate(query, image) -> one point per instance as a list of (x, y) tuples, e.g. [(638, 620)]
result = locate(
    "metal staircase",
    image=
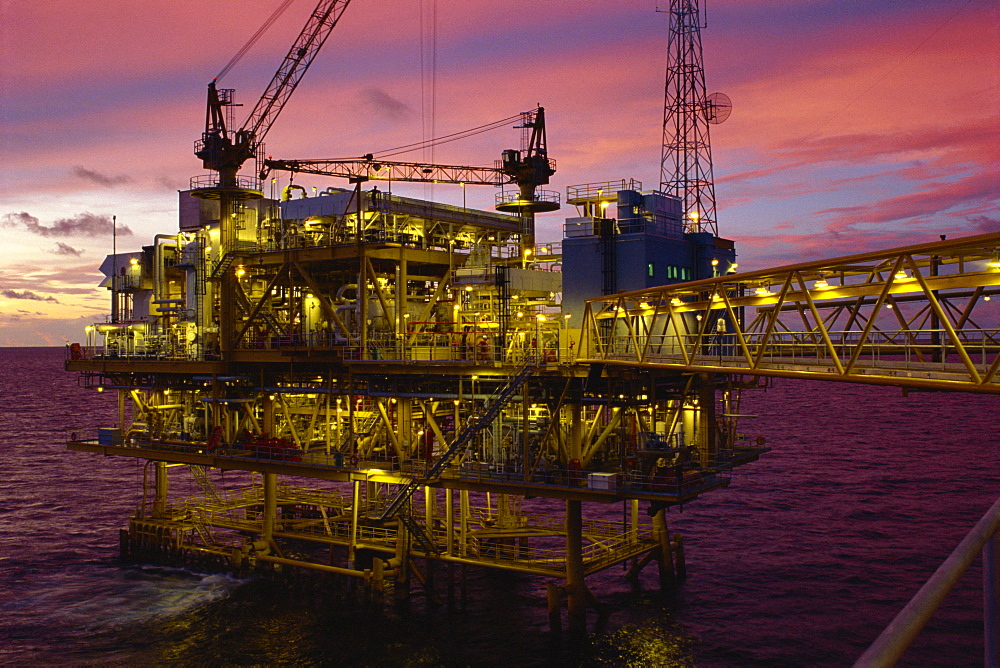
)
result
[(201, 477), (476, 422), (419, 532), (225, 263)]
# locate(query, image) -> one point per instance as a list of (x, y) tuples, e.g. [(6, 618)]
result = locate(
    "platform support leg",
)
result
[(576, 600), (270, 508), (162, 486), (665, 560)]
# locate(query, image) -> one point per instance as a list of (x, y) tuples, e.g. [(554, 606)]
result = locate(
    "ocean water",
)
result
[(802, 561)]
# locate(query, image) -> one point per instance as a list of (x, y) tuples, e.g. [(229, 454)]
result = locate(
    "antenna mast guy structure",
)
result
[(686, 161)]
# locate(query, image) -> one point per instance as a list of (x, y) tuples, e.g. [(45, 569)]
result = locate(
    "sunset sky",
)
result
[(856, 124)]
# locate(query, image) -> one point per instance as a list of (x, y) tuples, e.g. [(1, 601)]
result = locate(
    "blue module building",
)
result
[(628, 239)]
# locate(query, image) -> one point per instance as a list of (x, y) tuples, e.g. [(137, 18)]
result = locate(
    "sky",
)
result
[(856, 125)]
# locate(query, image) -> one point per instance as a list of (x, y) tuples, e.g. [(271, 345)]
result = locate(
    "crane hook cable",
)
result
[(254, 38), (409, 148)]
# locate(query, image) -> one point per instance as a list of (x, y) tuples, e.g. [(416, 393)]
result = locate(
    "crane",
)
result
[(224, 151), (528, 168)]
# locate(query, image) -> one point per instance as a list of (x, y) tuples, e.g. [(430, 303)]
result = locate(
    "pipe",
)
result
[(286, 194), (158, 263), (317, 567)]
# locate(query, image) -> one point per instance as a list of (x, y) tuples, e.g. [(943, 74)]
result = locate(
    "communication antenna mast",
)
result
[(686, 161)]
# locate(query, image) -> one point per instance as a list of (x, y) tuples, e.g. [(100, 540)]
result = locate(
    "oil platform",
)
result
[(399, 376)]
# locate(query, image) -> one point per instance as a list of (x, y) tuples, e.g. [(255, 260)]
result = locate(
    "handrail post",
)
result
[(897, 636), (991, 601)]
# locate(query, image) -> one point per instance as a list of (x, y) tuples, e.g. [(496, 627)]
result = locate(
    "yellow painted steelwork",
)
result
[(919, 316)]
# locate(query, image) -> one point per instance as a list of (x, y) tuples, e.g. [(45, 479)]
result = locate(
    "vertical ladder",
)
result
[(476, 422)]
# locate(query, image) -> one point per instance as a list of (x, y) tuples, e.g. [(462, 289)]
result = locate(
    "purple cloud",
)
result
[(26, 294), (80, 225), (101, 179)]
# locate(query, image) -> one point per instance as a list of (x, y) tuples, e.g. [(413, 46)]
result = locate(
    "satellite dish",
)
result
[(718, 106)]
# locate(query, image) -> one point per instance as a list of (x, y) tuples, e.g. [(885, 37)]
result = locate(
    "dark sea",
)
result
[(802, 561)]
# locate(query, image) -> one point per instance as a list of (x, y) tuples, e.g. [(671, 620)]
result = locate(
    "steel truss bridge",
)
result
[(919, 317)]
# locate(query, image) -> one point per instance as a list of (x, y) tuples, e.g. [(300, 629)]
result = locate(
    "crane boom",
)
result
[(225, 153), (390, 170), (293, 67)]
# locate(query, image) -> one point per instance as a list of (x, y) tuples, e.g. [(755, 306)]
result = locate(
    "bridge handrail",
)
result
[(897, 637)]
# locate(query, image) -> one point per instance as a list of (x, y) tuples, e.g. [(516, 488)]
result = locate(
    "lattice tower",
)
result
[(686, 161)]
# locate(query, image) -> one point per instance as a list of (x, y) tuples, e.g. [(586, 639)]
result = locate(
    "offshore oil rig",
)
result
[(399, 376)]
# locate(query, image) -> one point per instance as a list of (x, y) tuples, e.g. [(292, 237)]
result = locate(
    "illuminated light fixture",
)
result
[(475, 378), (393, 400), (515, 297), (676, 301), (100, 389), (821, 283), (527, 252), (208, 249), (541, 318), (520, 314), (763, 292), (994, 263), (716, 298), (134, 261), (604, 206), (903, 276), (986, 298), (698, 317), (240, 271), (457, 402), (456, 307), (643, 305), (715, 262), (694, 215), (468, 288), (888, 306), (568, 316)]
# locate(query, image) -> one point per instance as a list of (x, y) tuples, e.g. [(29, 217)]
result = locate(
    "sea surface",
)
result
[(802, 561)]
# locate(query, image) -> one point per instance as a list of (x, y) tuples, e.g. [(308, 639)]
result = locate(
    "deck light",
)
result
[(676, 301), (821, 283), (134, 261)]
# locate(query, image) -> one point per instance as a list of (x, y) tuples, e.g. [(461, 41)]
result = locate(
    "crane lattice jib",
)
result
[(381, 170), (293, 67)]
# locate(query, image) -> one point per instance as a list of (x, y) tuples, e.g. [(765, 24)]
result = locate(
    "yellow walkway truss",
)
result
[(923, 316)]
